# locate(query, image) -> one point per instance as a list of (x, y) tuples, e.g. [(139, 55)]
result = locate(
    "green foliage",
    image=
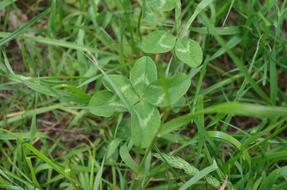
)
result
[(142, 74), (146, 122), (124, 86), (163, 5), (189, 52), (104, 103), (167, 91), (145, 94), (179, 163), (159, 41)]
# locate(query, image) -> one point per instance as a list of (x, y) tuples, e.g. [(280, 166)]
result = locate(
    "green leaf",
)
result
[(143, 73), (151, 16), (124, 85), (159, 41), (128, 160), (146, 122), (161, 5), (189, 52), (167, 91), (104, 103)]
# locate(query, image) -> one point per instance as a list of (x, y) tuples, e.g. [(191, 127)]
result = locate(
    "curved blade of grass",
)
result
[(225, 137), (52, 163), (202, 5), (32, 170), (12, 178), (246, 109), (234, 41), (23, 135), (98, 177), (271, 156), (126, 157), (230, 139), (6, 3), (64, 171), (10, 187), (65, 44), (59, 43), (21, 175), (201, 174), (24, 114), (236, 60), (271, 179), (24, 27), (219, 85), (228, 30), (234, 108)]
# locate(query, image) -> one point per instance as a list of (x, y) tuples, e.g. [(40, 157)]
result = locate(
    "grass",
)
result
[(104, 94)]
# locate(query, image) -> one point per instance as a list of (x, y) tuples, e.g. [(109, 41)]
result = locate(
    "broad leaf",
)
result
[(145, 124), (189, 52), (122, 84), (167, 91), (104, 103), (143, 73), (161, 5), (159, 41), (152, 17)]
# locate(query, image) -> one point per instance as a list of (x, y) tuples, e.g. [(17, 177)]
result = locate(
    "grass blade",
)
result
[(246, 109), (201, 174), (234, 108), (271, 179), (5, 3), (236, 61), (98, 177), (126, 157), (202, 5), (24, 27)]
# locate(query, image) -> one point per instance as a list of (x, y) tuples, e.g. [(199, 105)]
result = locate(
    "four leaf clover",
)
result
[(144, 93)]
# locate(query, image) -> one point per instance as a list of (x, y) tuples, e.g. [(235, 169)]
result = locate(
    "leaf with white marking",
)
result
[(143, 73), (189, 52), (145, 123), (161, 5), (159, 41), (124, 86), (167, 91), (104, 103)]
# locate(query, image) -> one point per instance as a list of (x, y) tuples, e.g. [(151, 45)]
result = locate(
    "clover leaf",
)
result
[(143, 73), (144, 93), (159, 41), (189, 52)]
